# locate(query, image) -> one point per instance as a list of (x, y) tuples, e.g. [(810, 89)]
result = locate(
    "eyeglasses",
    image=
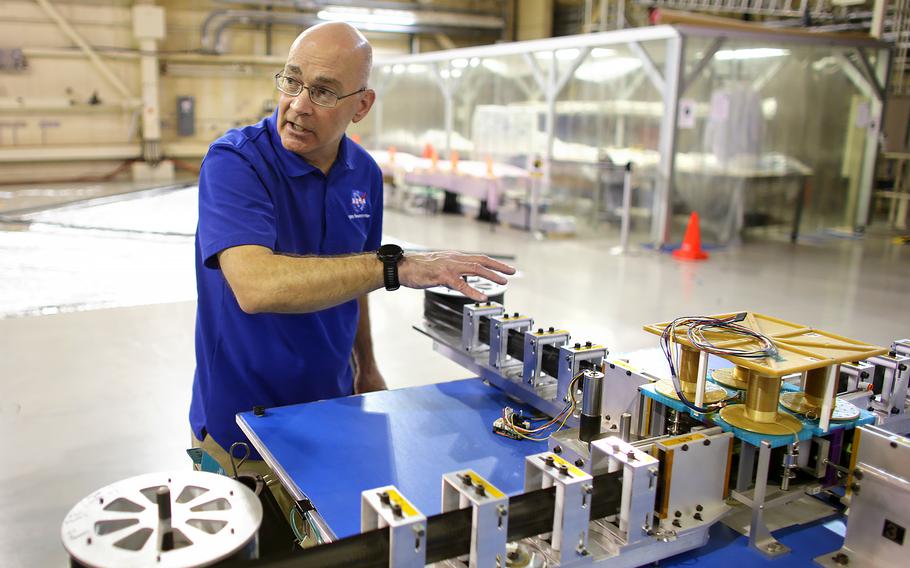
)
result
[(319, 95)]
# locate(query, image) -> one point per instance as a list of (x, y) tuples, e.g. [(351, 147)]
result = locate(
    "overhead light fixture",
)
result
[(367, 16), (750, 53)]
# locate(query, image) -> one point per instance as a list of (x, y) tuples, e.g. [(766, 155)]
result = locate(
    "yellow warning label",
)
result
[(572, 469), (683, 440), (407, 510), (488, 487), (623, 365)]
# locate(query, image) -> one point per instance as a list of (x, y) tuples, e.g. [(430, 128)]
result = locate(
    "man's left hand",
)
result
[(369, 380)]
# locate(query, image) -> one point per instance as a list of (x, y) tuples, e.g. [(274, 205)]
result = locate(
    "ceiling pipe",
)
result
[(314, 5), (450, 23)]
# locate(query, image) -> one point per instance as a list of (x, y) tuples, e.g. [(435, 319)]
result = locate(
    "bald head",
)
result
[(340, 42)]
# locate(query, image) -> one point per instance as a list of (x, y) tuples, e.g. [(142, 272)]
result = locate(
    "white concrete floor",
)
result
[(92, 397)]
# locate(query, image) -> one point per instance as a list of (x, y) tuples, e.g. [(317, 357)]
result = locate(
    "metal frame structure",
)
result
[(671, 81)]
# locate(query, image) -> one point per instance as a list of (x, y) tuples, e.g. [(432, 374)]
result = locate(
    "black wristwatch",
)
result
[(390, 255)]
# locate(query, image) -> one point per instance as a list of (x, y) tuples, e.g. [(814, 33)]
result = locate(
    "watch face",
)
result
[(390, 252)]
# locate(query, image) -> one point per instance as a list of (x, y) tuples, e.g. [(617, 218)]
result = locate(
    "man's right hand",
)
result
[(425, 270)]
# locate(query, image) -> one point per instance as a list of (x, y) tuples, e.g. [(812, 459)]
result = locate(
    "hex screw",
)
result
[(579, 462), (699, 508), (685, 447), (677, 514), (841, 558), (557, 449), (707, 442), (549, 461)]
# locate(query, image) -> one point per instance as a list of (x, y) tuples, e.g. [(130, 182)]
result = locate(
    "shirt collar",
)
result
[(295, 165)]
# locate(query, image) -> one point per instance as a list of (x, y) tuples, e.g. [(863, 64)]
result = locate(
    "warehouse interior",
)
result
[(637, 161)]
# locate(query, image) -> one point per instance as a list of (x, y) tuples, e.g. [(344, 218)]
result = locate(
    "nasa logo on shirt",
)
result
[(359, 205)]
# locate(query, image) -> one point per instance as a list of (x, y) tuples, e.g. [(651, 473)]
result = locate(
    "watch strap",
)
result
[(390, 274)]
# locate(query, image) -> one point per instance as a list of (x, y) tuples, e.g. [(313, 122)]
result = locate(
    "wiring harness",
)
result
[(534, 433), (696, 329)]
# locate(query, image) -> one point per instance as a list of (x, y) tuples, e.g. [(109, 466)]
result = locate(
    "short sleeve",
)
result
[(235, 207), (374, 237)]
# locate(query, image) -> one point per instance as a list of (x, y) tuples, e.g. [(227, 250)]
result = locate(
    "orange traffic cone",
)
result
[(691, 245)]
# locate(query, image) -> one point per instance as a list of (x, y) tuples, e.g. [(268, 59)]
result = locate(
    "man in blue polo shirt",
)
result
[(290, 219)]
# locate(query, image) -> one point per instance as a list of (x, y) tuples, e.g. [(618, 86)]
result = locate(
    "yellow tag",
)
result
[(488, 487), (623, 365), (572, 469), (554, 332), (407, 509), (683, 439)]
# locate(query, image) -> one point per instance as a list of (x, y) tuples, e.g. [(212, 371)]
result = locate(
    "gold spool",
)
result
[(759, 413), (732, 377), (809, 401), (688, 380)]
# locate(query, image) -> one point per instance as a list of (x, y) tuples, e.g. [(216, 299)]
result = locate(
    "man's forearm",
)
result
[(263, 281)]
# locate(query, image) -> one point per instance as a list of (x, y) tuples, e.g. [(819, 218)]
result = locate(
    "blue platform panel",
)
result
[(334, 449)]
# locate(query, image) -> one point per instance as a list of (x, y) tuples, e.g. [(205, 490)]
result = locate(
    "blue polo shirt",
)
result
[(254, 192)]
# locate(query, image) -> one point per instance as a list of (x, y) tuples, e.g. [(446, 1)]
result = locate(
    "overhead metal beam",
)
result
[(92, 55)]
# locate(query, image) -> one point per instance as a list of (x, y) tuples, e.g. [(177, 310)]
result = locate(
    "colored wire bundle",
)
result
[(697, 327), (561, 418)]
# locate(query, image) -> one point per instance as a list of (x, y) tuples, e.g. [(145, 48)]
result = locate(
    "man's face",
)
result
[(310, 130)]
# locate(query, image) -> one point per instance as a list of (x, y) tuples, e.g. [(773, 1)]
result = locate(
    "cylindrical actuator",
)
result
[(592, 387)]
